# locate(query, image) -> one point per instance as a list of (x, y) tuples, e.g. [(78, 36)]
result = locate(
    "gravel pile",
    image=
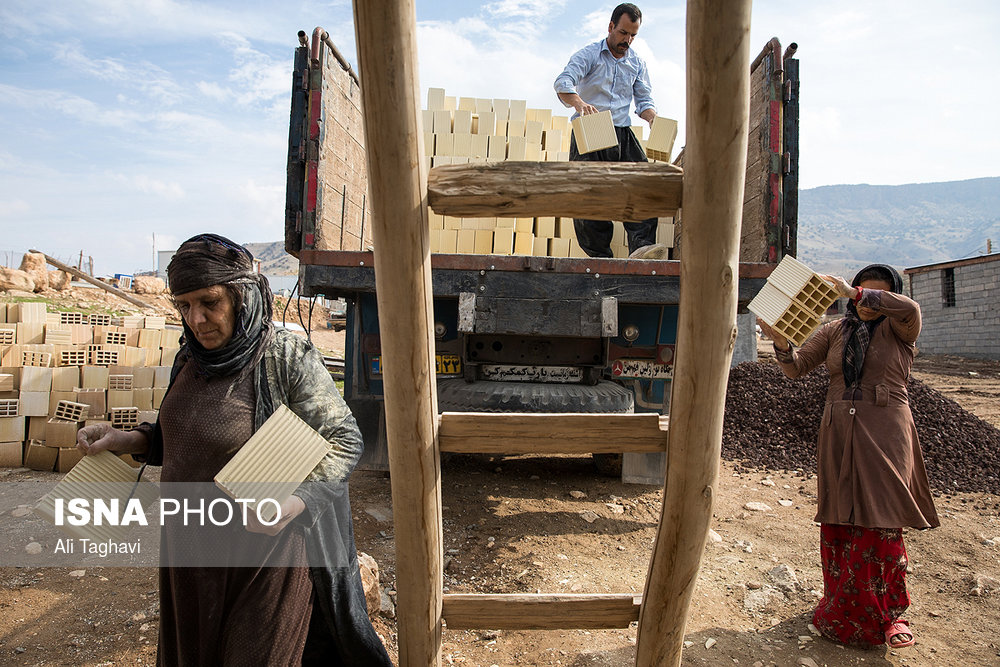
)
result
[(772, 422)]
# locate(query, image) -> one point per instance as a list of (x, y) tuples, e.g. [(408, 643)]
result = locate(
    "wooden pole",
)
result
[(718, 66), (386, 36), (93, 281)]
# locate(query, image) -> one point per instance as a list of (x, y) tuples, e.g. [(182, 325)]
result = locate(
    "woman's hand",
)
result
[(780, 341), (842, 286), (290, 509), (97, 438)]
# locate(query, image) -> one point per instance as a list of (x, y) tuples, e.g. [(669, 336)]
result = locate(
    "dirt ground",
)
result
[(512, 525)]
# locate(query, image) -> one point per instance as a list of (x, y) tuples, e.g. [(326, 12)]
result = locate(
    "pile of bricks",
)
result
[(468, 130), (62, 371)]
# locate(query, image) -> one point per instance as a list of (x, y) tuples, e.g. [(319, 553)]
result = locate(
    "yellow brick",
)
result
[(503, 241), (518, 110), (484, 105), (516, 148), (498, 147), (524, 224), (462, 145), (427, 120), (545, 226), (533, 152), (565, 228), (540, 246), (559, 247), (450, 102), (543, 116), (533, 131), (485, 122), (480, 145), (435, 98), (637, 131), (523, 243), (575, 250), (428, 143), (442, 121), (434, 240), (467, 104), (594, 132), (552, 140), (462, 122), (515, 128), (444, 144), (466, 241), (434, 220), (501, 108), (505, 223), (661, 139), (449, 241), (560, 123), (484, 241)]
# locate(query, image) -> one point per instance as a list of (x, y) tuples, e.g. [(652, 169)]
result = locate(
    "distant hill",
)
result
[(274, 261), (844, 227)]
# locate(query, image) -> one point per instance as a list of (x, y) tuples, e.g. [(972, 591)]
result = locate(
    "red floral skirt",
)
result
[(864, 583)]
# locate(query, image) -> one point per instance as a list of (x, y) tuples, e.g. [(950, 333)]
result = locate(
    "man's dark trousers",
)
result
[(594, 236)]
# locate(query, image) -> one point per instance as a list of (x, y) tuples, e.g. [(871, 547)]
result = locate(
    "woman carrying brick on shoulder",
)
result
[(870, 472)]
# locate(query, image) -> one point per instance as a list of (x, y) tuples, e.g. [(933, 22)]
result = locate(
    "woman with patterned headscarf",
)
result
[(232, 371), (870, 473)]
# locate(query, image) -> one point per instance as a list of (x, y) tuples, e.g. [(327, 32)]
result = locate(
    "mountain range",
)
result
[(844, 227)]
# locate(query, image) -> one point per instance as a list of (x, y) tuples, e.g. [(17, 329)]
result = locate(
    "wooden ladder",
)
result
[(717, 93)]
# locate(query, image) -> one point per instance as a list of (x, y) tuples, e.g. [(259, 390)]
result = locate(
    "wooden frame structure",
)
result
[(718, 64)]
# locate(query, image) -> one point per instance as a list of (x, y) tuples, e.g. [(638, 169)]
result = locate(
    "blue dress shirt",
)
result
[(606, 82)]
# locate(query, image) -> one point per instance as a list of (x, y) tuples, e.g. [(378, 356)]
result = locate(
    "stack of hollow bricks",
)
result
[(468, 130), (61, 371)]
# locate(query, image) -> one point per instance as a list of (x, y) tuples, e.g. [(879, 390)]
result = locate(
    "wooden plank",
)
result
[(517, 611), (715, 164), (386, 38), (627, 191), (97, 283), (551, 433)]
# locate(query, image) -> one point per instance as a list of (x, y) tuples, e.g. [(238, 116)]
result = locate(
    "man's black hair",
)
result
[(626, 8)]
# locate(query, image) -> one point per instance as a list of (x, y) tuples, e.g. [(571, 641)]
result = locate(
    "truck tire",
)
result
[(460, 396), (457, 395)]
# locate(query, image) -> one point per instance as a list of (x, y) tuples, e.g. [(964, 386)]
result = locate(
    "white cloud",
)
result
[(153, 186), (141, 76)]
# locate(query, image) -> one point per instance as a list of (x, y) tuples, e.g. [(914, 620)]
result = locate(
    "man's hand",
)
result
[(575, 101), (290, 509)]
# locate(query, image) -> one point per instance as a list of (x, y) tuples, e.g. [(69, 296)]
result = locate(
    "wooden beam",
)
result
[(718, 67), (551, 433), (518, 611), (629, 191), (94, 281), (386, 38)]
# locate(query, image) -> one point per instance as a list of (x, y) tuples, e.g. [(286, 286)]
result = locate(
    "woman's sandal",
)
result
[(895, 630)]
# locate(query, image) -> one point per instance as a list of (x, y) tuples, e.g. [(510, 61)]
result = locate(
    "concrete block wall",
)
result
[(970, 328)]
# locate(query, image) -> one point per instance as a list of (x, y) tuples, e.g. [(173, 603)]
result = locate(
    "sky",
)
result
[(125, 120)]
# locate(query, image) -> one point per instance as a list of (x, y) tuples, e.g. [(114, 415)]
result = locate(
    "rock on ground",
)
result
[(59, 280), (369, 581), (33, 263), (15, 279), (148, 285)]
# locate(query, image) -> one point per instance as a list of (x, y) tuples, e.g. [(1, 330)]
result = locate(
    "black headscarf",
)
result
[(206, 260), (857, 333)]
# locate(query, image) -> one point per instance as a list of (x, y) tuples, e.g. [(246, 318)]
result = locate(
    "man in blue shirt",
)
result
[(607, 75)]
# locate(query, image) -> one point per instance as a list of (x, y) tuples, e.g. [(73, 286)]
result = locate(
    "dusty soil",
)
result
[(511, 525)]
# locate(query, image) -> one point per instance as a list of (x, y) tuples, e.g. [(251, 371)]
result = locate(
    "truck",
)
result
[(523, 332)]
